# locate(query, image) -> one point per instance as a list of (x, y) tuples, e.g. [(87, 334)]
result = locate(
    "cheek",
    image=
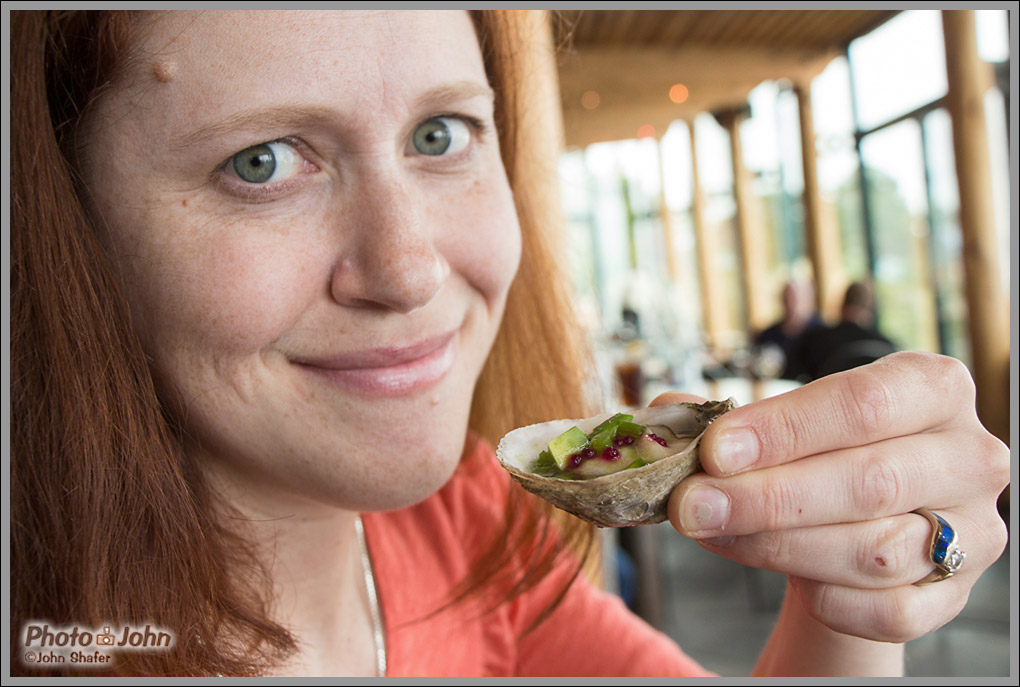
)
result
[(218, 289), (486, 247)]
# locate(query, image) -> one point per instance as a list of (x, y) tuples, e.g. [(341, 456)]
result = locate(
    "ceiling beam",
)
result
[(633, 84)]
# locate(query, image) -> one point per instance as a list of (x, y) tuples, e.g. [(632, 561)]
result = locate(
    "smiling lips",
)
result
[(392, 371)]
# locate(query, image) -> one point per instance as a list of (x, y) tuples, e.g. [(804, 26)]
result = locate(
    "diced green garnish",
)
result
[(630, 429), (566, 445), (545, 465), (638, 463), (611, 423), (603, 439)]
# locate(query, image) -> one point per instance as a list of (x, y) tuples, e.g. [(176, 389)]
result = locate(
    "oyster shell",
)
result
[(629, 497)]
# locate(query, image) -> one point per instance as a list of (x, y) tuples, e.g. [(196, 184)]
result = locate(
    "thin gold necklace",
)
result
[(373, 601)]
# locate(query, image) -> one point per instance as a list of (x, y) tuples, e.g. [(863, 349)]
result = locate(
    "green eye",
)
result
[(441, 135), (255, 165)]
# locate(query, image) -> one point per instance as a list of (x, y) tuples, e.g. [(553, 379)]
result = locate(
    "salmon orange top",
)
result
[(419, 553)]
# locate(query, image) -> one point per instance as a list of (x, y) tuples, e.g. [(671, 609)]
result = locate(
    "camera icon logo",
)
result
[(106, 638)]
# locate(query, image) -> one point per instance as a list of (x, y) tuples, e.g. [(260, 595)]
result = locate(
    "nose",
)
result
[(390, 259)]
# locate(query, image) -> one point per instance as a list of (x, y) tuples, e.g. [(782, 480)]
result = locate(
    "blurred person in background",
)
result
[(853, 342), (774, 350)]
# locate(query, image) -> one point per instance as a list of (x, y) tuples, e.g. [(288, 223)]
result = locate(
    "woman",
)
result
[(261, 263)]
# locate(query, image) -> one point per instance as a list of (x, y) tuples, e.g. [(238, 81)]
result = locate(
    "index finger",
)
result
[(901, 394)]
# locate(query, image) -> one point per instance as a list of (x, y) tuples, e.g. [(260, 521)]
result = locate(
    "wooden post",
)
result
[(711, 297), (988, 313), (664, 216), (750, 230), (822, 238)]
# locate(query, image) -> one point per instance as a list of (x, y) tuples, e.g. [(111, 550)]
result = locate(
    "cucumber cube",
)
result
[(612, 423), (630, 429), (603, 439), (566, 445)]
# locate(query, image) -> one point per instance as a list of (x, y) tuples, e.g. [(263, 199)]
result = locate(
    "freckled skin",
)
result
[(368, 246)]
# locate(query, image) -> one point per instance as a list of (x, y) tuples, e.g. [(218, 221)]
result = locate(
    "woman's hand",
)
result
[(819, 483)]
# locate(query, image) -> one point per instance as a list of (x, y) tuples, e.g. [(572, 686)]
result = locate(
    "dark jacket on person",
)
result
[(793, 366), (845, 346)]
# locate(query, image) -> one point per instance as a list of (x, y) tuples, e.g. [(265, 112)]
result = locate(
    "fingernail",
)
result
[(735, 449), (705, 508)]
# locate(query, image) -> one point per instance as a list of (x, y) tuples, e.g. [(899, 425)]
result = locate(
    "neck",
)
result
[(321, 595), (312, 555)]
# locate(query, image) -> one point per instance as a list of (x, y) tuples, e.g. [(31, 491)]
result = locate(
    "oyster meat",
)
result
[(632, 496)]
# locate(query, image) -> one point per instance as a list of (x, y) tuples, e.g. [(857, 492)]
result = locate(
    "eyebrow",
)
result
[(289, 115), (285, 115), (458, 90)]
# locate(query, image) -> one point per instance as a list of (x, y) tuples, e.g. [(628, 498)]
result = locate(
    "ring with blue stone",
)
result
[(945, 551)]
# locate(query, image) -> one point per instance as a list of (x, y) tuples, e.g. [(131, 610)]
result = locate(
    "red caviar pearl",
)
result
[(610, 454)]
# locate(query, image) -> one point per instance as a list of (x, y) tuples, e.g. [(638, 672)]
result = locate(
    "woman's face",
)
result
[(312, 224)]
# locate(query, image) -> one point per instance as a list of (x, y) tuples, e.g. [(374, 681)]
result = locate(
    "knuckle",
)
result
[(869, 399), (880, 488), (819, 600), (994, 455), (907, 614), (888, 555), (774, 549), (779, 503), (782, 425), (896, 620), (948, 377), (953, 371), (999, 535)]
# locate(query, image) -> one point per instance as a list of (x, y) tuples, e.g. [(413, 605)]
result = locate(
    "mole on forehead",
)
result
[(164, 70)]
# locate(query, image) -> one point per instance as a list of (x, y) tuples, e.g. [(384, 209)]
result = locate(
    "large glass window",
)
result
[(770, 140), (912, 202), (715, 174), (946, 241), (894, 165), (837, 165), (675, 149), (899, 67), (625, 200)]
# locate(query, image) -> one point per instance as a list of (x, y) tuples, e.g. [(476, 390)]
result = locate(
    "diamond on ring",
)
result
[(945, 552)]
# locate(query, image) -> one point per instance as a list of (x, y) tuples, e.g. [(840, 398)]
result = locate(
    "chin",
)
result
[(406, 476)]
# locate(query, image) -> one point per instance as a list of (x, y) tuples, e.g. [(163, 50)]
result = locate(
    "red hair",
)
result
[(109, 519)]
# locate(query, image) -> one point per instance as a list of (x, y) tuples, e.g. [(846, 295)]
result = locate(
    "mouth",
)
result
[(390, 370)]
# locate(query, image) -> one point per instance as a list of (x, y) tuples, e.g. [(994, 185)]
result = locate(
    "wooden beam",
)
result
[(750, 229), (822, 238), (633, 84), (988, 312)]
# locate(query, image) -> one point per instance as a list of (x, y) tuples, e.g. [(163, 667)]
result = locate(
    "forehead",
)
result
[(209, 61)]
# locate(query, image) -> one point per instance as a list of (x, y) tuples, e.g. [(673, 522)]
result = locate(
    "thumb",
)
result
[(676, 397)]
